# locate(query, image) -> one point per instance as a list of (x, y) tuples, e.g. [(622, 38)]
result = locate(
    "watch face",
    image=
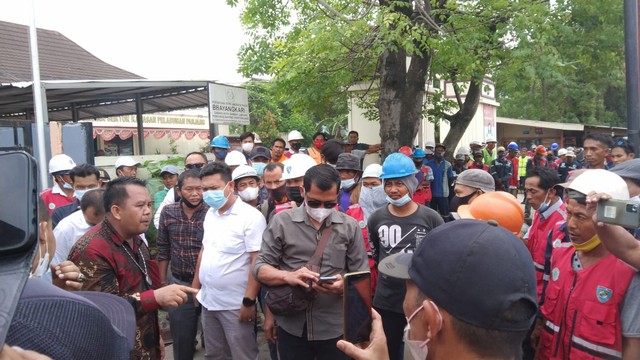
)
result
[(248, 302)]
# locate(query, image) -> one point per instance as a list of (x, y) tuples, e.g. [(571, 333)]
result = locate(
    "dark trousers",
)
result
[(441, 205), (393, 324), (183, 321), (291, 347), (273, 347)]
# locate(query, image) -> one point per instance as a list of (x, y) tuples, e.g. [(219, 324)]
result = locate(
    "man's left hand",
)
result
[(334, 288), (247, 313), (67, 276)]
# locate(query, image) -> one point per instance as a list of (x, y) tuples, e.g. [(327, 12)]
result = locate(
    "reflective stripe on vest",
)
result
[(596, 348), (552, 326), (539, 267)]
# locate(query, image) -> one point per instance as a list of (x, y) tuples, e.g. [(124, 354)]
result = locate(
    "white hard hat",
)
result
[(61, 162), (476, 142), (295, 135), (126, 161), (235, 158), (430, 144), (562, 151), (244, 171), (601, 181), (490, 139), (373, 170), (297, 165), (463, 150)]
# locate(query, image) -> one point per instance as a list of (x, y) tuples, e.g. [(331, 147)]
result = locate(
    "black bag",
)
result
[(286, 300)]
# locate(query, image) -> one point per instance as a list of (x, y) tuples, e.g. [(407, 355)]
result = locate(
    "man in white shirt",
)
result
[(232, 237), (72, 227)]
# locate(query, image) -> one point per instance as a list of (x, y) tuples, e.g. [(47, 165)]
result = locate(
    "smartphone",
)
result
[(619, 212), (327, 279), (357, 306)]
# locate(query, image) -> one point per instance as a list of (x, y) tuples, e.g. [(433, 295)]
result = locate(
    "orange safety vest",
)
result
[(581, 310)]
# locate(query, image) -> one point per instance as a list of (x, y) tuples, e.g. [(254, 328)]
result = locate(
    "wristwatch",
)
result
[(248, 302)]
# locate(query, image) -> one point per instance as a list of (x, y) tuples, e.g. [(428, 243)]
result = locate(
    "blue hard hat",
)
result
[(418, 153), (554, 146), (513, 146), (397, 165), (220, 141)]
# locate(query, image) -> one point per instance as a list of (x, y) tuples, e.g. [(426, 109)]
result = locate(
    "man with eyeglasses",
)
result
[(622, 151), (398, 227), (193, 161), (287, 245)]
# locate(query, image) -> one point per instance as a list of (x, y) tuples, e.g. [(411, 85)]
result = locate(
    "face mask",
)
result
[(438, 157), (501, 156), (43, 263), (318, 143), (221, 154), (545, 204), (347, 184), (587, 245), (296, 146), (259, 167), (215, 198), (456, 201), (417, 349), (372, 199), (190, 205), (249, 194), (294, 194), (247, 147), (65, 184), (417, 163), (79, 194), (550, 157), (318, 214), (400, 202), (278, 193)]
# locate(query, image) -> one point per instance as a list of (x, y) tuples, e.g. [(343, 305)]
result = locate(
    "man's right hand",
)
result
[(173, 295), (302, 277), (375, 349)]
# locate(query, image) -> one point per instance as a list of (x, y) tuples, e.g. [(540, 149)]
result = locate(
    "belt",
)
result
[(184, 278)]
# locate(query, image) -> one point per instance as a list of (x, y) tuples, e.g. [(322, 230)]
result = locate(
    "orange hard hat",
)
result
[(406, 151), (540, 149), (500, 206)]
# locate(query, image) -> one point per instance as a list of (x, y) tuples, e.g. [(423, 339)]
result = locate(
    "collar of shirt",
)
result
[(299, 214), (551, 209), (56, 189)]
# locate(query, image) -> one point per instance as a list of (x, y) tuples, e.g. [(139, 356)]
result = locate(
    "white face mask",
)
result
[(247, 147), (318, 214), (417, 349), (249, 194), (43, 263)]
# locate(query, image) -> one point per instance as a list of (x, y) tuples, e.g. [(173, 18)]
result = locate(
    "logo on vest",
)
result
[(52, 206), (362, 224), (555, 274), (603, 294), (556, 243)]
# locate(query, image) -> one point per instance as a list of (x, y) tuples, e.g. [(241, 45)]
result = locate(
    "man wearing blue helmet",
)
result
[(220, 147), (515, 162), (397, 228)]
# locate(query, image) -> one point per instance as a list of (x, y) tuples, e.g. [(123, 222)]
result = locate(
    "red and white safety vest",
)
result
[(581, 310), (355, 211)]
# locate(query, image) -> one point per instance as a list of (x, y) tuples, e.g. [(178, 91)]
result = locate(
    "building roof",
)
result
[(60, 58), (540, 124)]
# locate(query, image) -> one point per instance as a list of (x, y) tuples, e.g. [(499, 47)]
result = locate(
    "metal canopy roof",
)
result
[(79, 100)]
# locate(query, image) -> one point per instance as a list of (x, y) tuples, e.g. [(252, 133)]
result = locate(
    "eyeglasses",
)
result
[(325, 204), (194, 166)]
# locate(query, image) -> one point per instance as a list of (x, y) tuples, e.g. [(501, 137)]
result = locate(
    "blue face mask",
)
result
[(79, 194), (400, 202), (545, 204), (221, 154), (346, 184), (215, 198), (259, 167), (66, 185)]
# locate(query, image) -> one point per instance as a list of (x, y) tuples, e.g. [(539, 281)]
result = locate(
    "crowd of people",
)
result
[(456, 273)]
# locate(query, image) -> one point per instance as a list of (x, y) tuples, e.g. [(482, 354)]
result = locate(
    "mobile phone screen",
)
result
[(357, 307)]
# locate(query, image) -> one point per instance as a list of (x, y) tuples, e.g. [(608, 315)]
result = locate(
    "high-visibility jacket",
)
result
[(581, 310), (522, 166), (538, 238)]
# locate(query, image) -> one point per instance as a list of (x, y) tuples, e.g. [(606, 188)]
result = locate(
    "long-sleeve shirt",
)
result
[(113, 267), (501, 171), (180, 239), (289, 242)]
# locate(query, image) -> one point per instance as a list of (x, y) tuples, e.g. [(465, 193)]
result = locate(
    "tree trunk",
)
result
[(401, 99), (461, 119)]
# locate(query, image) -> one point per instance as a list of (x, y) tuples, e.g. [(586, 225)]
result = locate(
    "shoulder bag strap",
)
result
[(314, 263)]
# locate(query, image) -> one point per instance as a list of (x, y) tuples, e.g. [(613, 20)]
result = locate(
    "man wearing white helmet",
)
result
[(489, 151), (62, 192), (126, 166), (247, 185), (234, 159), (295, 144), (293, 173), (584, 307)]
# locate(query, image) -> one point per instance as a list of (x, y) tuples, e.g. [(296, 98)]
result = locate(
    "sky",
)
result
[(159, 40)]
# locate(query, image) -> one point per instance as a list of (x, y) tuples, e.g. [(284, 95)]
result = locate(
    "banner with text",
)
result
[(228, 105)]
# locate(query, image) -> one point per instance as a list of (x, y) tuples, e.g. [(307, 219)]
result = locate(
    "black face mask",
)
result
[(296, 146), (549, 157), (278, 194), (294, 194), (190, 205), (457, 201), (418, 163), (438, 157)]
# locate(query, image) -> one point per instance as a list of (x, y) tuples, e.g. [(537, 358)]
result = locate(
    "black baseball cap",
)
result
[(260, 151), (475, 270)]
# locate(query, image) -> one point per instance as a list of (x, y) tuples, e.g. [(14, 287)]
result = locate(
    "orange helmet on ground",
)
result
[(500, 206), (406, 151)]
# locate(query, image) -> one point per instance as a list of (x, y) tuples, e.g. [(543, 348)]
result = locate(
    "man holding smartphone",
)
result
[(288, 244)]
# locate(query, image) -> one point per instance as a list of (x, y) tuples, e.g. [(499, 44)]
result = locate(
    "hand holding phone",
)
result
[(326, 279)]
